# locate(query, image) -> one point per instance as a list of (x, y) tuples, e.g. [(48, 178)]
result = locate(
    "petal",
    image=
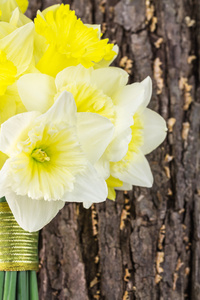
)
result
[(7, 107), (119, 146), (89, 188), (95, 133), (32, 215), (13, 129), (125, 187), (4, 178), (52, 62), (155, 130), (134, 97), (124, 119), (72, 74), (23, 4), (105, 63), (18, 19), (40, 47), (5, 29), (50, 8), (103, 167), (131, 97), (3, 158), (137, 173), (63, 110), (6, 7), (95, 26), (111, 193), (18, 46), (109, 79), (37, 91), (147, 85)]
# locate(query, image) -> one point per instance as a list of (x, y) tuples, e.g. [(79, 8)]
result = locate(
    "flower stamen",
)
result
[(40, 155)]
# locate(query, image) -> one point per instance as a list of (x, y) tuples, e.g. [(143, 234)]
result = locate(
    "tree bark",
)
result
[(146, 244)]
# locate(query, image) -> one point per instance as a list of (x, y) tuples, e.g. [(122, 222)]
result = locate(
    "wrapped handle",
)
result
[(18, 248)]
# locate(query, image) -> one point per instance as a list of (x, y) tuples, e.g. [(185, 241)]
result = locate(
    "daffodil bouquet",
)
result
[(72, 130)]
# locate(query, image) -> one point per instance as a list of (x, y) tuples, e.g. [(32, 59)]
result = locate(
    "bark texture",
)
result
[(146, 245)]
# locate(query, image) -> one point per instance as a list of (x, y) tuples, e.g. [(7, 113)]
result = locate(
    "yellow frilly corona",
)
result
[(69, 42)]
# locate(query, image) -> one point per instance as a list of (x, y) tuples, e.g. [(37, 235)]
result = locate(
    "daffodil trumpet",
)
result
[(63, 41)]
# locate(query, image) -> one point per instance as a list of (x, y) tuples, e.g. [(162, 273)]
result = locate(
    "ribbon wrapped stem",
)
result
[(18, 248)]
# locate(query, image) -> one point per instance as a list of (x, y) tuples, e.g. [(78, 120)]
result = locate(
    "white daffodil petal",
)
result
[(135, 97), (13, 129), (109, 79), (4, 181), (103, 167), (89, 188), (72, 74), (119, 146), (3, 158), (123, 120), (63, 109), (147, 85), (18, 46), (37, 91), (131, 97), (137, 173), (125, 187), (32, 215), (154, 131), (95, 133)]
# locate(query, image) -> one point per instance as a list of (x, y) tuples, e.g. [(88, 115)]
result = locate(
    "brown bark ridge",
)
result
[(146, 245)]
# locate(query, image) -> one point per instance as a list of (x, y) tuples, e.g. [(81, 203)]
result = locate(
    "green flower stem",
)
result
[(22, 285), (33, 286), (10, 285), (18, 285), (3, 199), (27, 284), (2, 276)]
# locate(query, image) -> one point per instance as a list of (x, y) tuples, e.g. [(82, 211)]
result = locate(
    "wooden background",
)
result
[(146, 245)]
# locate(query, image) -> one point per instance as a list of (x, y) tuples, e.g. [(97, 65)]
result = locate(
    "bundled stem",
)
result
[(17, 285)]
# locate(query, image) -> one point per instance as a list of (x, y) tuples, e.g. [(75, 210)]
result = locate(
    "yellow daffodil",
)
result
[(68, 42), (51, 159), (8, 6)]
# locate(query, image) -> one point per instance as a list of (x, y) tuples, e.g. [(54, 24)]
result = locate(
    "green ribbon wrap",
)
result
[(18, 248)]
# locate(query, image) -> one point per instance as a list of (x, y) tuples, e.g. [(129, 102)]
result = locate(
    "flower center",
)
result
[(40, 155), (88, 98)]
